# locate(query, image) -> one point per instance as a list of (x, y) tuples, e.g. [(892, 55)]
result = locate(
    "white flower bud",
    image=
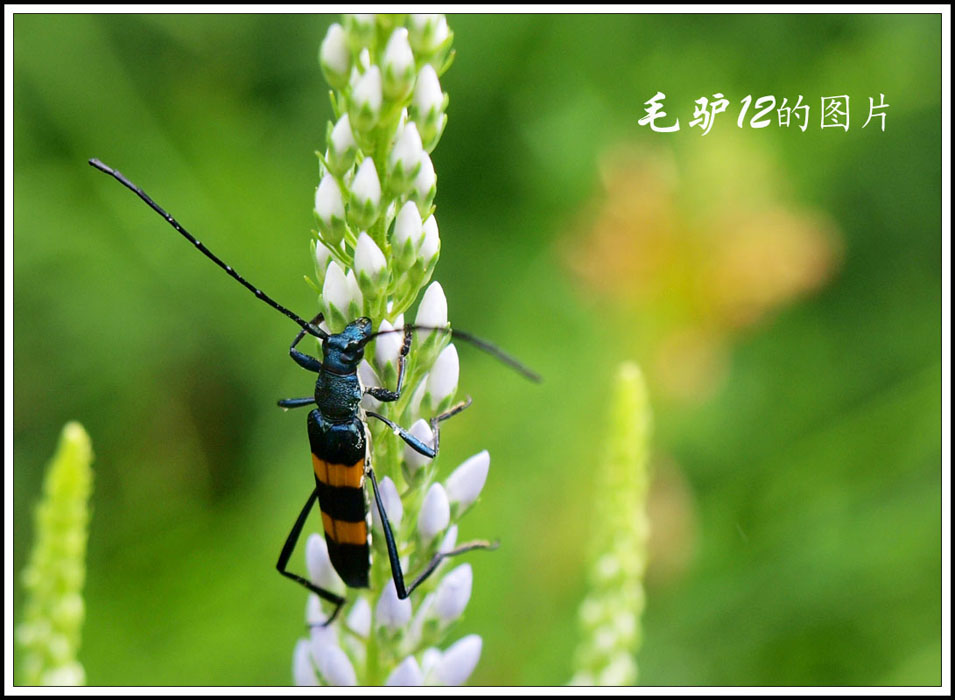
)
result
[(370, 266), (361, 30), (427, 97), (365, 194), (403, 162), (303, 674), (443, 378), (366, 99), (424, 186), (428, 32), (313, 610), (408, 226), (343, 140), (414, 631), (391, 612), (321, 255), (322, 635), (430, 244), (398, 65), (340, 154), (414, 459), (414, 405), (366, 188), (320, 569), (359, 618), (334, 56), (334, 664), (364, 60), (387, 347), (330, 208), (428, 105), (392, 503), (368, 377), (465, 483), (407, 235), (450, 539), (435, 513), (453, 593), (430, 659), (433, 310), (336, 294), (354, 293), (457, 663), (620, 670), (408, 673)]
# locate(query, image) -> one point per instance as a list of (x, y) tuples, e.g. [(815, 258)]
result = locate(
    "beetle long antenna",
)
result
[(306, 326), (484, 345)]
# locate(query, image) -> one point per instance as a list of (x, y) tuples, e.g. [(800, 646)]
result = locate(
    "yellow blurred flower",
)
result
[(695, 247)]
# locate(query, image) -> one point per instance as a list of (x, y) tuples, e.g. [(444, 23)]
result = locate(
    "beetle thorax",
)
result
[(337, 395)]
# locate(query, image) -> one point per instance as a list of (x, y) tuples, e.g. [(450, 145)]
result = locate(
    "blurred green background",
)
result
[(795, 376)]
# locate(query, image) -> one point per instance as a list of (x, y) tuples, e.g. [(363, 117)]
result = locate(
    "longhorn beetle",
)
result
[(338, 435)]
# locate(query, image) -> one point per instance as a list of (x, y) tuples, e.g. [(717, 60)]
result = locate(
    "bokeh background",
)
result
[(781, 289)]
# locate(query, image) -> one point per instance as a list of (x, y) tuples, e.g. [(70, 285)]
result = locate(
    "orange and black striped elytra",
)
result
[(338, 459), (338, 434)]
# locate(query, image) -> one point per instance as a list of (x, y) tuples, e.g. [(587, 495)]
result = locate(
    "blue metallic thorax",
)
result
[(337, 389), (337, 395)]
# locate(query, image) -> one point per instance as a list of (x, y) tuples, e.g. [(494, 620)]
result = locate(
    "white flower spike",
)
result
[(375, 249)]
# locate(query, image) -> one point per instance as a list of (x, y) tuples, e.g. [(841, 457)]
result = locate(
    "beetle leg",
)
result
[(383, 394), (396, 573), (415, 443), (296, 403), (337, 600), (310, 363)]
